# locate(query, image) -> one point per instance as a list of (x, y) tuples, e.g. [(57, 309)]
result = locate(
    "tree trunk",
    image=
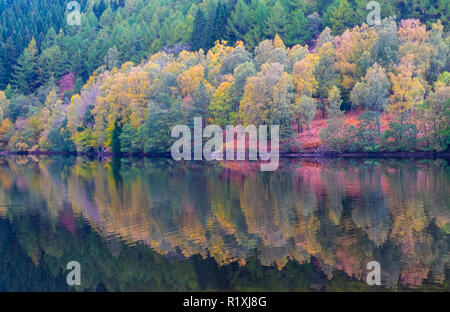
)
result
[(323, 108)]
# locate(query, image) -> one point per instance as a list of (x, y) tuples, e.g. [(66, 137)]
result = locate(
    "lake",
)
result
[(161, 225)]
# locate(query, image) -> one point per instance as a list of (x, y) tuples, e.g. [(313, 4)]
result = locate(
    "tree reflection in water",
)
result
[(156, 224)]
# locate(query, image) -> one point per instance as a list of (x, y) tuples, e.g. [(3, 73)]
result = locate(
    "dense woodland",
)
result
[(135, 68)]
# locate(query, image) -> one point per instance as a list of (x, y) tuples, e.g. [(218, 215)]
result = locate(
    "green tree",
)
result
[(126, 138), (332, 135), (296, 29), (373, 92), (220, 21), (385, 50), (115, 139), (365, 137), (240, 21), (340, 16), (59, 139), (112, 58), (200, 34), (335, 102), (200, 104), (50, 64), (305, 111), (434, 114), (401, 134), (26, 71), (325, 73)]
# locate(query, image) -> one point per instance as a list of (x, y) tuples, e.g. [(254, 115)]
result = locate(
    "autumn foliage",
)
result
[(382, 88)]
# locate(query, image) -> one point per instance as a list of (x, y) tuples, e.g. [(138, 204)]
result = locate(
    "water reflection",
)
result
[(313, 223)]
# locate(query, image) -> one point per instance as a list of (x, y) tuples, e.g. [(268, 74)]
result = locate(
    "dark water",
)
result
[(162, 225)]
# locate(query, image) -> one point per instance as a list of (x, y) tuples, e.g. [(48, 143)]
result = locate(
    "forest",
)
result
[(133, 69)]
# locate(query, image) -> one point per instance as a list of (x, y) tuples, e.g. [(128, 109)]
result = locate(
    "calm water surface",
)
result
[(154, 225)]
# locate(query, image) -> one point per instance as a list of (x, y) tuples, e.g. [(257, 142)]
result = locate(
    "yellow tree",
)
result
[(278, 42), (50, 116), (190, 80), (111, 105), (6, 129), (74, 118), (138, 94), (221, 107), (415, 46), (283, 106), (254, 107), (4, 102), (189, 59), (304, 77), (257, 103), (296, 54), (214, 59), (407, 90), (83, 138), (353, 56)]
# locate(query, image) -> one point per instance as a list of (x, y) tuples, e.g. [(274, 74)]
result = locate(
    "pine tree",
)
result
[(200, 103), (340, 16), (277, 21), (297, 30), (50, 64), (8, 57), (209, 30), (199, 32), (240, 21), (3, 70), (220, 22), (99, 8), (25, 72)]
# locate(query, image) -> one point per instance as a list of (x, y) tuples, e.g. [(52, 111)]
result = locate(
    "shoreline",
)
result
[(291, 155)]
